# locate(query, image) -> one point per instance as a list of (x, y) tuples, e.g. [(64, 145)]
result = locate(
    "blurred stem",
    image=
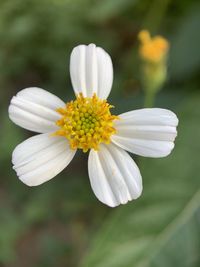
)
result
[(149, 99), (155, 15)]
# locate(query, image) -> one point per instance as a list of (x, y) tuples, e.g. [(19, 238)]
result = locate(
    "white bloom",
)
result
[(86, 123)]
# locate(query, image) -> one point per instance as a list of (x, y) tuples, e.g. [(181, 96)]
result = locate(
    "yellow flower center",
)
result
[(153, 49), (86, 122)]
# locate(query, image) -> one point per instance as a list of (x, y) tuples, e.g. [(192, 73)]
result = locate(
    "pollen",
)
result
[(86, 122), (153, 49)]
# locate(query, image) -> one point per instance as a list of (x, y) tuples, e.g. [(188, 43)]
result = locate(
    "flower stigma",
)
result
[(86, 122)]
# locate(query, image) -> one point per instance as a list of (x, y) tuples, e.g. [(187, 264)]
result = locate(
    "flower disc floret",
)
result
[(86, 122)]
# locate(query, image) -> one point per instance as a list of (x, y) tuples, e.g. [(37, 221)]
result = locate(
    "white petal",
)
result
[(40, 158), (147, 132), (114, 176), (35, 109), (91, 71)]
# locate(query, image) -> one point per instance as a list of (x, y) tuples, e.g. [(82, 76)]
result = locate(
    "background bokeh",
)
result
[(61, 223)]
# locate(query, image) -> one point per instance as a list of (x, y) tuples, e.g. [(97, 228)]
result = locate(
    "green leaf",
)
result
[(105, 9), (162, 228)]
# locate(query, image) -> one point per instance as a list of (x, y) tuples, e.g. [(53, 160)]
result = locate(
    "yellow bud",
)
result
[(152, 49)]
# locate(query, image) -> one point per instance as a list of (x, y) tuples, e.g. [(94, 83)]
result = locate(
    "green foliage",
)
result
[(105, 9), (54, 224), (161, 228), (185, 56)]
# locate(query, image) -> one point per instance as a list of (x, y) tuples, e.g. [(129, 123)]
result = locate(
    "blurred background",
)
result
[(61, 223)]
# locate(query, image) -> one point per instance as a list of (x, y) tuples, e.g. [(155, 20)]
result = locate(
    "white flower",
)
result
[(86, 123)]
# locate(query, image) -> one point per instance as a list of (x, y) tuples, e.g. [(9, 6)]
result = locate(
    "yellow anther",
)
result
[(84, 110), (77, 118), (86, 122), (91, 131)]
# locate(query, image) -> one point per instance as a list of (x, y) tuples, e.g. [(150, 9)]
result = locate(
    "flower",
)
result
[(153, 49), (87, 123)]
